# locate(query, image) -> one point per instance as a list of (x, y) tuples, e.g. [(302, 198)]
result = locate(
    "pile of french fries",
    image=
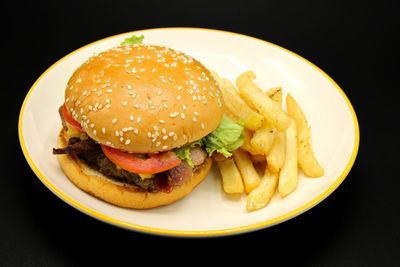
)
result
[(279, 140)]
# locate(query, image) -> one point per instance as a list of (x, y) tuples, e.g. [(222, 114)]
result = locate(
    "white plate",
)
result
[(207, 211)]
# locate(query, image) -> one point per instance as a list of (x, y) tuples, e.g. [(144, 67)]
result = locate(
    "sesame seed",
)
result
[(114, 120), (182, 116), (103, 130), (165, 137), (121, 139), (158, 143), (164, 147), (127, 141), (161, 121), (94, 132), (202, 125), (138, 119), (116, 133), (136, 106), (131, 118), (125, 103), (136, 131), (171, 133)]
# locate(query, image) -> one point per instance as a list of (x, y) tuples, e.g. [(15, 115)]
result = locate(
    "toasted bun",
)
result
[(121, 194), (144, 98)]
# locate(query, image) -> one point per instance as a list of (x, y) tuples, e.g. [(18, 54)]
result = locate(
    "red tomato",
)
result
[(131, 162), (70, 121)]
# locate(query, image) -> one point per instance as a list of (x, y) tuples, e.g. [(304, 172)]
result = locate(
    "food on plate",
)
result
[(262, 194), (288, 175), (231, 179), (276, 156), (279, 142), (271, 111), (141, 124), (235, 104), (249, 174), (307, 161)]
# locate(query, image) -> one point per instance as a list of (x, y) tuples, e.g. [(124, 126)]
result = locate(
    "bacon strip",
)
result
[(180, 174)]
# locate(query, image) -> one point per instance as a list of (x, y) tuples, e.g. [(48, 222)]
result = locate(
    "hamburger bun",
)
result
[(122, 194), (144, 98)]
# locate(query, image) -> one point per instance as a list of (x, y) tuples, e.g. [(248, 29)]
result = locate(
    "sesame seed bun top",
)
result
[(144, 98)]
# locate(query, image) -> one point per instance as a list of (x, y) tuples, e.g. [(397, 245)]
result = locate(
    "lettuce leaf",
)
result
[(133, 40), (228, 136)]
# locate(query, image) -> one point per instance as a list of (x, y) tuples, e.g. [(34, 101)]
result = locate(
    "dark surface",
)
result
[(355, 43)]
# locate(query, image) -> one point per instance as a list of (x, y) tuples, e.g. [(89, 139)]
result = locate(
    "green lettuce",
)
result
[(227, 137), (133, 40)]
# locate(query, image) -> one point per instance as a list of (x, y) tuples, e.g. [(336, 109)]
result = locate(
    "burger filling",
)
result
[(151, 172)]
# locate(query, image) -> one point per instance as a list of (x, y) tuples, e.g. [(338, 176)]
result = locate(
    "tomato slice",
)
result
[(132, 162), (70, 120)]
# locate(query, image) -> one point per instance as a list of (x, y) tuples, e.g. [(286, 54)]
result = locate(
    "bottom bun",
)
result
[(122, 194)]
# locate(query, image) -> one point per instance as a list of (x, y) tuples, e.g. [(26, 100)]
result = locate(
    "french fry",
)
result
[(235, 104), (263, 138), (247, 146), (288, 176), (306, 158), (265, 105), (231, 179), (276, 156), (275, 93), (262, 194), (246, 169)]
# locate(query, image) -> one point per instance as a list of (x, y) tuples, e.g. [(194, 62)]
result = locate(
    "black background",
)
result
[(355, 42)]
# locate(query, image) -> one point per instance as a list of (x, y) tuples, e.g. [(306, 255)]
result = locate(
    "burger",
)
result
[(141, 124)]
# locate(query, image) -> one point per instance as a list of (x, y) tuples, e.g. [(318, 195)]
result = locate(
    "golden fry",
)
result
[(275, 93), (263, 138), (247, 170), (306, 158), (247, 146), (276, 156), (235, 104), (262, 194), (231, 179), (265, 105), (288, 177)]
